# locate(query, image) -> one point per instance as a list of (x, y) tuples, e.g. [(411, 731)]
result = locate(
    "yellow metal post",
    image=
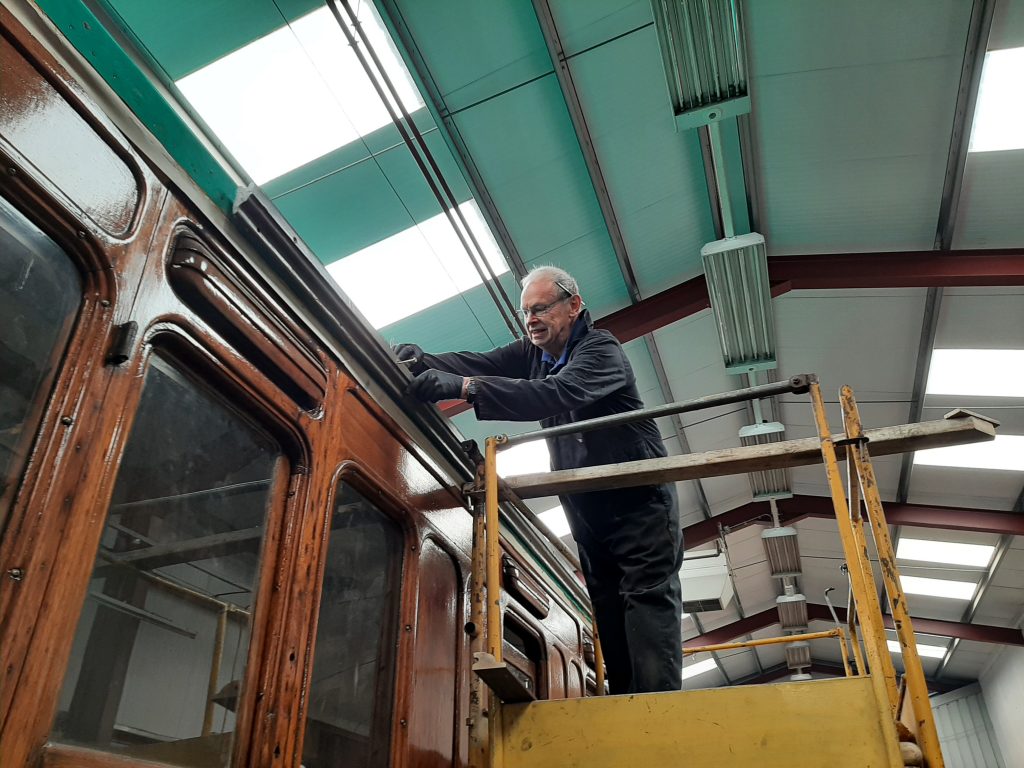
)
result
[(493, 585), (598, 661), (853, 493), (883, 674), (478, 693), (927, 735), (846, 657)]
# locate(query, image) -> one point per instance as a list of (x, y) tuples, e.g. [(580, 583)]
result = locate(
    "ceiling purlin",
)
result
[(553, 42), (393, 19), (421, 154), (975, 48), (956, 160)]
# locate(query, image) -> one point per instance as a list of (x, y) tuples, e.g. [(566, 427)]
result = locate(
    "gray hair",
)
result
[(556, 275)]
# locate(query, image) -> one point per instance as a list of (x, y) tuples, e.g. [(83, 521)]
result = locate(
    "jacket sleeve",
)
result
[(510, 360), (596, 369)]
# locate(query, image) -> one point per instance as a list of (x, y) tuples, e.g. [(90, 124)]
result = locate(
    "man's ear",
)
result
[(575, 306)]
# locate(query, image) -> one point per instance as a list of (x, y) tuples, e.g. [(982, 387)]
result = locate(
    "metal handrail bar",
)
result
[(835, 632), (794, 385)]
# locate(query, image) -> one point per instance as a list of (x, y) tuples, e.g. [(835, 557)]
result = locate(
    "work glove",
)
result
[(410, 352), (433, 385)]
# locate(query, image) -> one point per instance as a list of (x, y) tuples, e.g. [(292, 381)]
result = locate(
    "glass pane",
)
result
[(39, 297), (160, 649), (350, 705)]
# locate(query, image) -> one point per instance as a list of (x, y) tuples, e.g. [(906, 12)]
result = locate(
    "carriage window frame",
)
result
[(34, 418), (194, 359), (388, 691)]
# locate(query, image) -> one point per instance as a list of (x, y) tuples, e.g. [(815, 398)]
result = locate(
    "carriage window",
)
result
[(160, 650), (39, 295), (350, 698)]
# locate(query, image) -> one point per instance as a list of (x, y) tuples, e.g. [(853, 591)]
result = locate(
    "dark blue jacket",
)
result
[(519, 382)]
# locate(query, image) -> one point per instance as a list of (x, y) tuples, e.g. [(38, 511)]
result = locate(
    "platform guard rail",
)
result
[(872, 660)]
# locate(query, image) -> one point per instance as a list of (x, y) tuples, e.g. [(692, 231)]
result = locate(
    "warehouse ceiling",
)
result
[(851, 148)]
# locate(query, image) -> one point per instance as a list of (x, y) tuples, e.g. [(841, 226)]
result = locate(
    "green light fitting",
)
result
[(702, 48)]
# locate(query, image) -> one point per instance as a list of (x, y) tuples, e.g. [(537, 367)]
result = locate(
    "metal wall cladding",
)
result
[(965, 730)]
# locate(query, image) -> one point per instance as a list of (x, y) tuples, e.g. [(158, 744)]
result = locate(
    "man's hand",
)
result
[(433, 385), (411, 353)]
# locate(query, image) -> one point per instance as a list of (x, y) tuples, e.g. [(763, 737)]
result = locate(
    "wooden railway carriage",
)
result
[(227, 538)]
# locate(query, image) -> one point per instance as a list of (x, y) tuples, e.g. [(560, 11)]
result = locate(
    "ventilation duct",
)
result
[(736, 270), (767, 483), (783, 551), (703, 50), (706, 584)]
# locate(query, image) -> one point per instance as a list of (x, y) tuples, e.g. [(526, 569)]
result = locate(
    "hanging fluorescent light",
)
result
[(783, 551), (736, 270), (702, 48), (798, 655), (792, 610), (766, 483)]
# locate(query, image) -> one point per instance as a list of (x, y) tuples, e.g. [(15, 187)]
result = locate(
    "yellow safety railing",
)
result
[(782, 640), (873, 659)]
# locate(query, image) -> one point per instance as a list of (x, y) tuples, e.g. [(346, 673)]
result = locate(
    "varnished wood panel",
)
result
[(41, 126)]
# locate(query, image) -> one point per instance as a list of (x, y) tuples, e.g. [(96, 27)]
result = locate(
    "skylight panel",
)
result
[(415, 269), (952, 553), (977, 372), (296, 94), (692, 670), (999, 115), (954, 590), (556, 521), (928, 651), (523, 459), (1006, 452)]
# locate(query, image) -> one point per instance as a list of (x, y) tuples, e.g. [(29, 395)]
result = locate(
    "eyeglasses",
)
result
[(540, 310)]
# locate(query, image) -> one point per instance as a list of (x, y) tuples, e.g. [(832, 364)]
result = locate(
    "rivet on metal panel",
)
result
[(16, 574), (67, 421)]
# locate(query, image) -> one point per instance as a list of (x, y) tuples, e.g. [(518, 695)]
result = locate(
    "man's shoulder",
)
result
[(599, 337)]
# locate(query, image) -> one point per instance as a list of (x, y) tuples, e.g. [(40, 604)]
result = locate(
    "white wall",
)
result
[(1002, 685), (965, 730)]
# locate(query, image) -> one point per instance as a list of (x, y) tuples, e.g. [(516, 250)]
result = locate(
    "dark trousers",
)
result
[(631, 550)]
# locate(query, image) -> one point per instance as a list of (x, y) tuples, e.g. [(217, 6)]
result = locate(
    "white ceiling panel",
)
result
[(839, 334), (973, 488), (983, 318)]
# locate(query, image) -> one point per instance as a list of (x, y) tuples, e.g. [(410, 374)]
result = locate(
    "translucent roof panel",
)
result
[(951, 552), (415, 269), (977, 372), (1006, 452), (999, 115), (296, 94)]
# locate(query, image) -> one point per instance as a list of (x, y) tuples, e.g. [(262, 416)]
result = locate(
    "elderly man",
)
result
[(629, 539)]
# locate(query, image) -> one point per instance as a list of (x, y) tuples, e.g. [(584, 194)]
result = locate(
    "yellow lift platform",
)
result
[(867, 719)]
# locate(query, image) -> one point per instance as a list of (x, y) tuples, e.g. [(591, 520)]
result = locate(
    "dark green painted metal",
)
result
[(96, 43), (346, 201)]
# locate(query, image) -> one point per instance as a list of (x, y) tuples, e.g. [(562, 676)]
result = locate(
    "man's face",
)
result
[(550, 327)]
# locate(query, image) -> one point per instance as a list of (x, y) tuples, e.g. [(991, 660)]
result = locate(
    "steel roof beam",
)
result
[(978, 633), (898, 269), (800, 507)]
